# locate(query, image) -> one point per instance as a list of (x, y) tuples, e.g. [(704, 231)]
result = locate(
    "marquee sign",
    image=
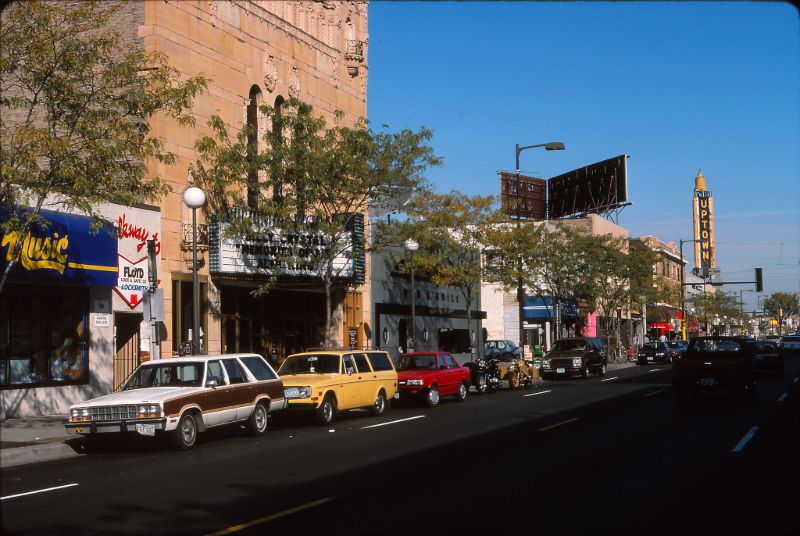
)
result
[(704, 250)]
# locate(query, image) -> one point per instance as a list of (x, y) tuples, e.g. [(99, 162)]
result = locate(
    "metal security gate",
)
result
[(127, 357)]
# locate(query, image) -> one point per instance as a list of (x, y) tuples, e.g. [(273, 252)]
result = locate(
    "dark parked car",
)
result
[(764, 356), (654, 352), (573, 356), (714, 364), (790, 344), (677, 347), (501, 349)]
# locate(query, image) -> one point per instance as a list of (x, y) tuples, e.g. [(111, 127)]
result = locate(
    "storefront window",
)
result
[(182, 316), (44, 340)]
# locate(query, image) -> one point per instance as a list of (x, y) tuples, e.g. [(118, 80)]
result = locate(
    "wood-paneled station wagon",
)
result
[(183, 396)]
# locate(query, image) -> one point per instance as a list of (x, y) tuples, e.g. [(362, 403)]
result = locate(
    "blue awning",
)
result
[(62, 249), (537, 307)]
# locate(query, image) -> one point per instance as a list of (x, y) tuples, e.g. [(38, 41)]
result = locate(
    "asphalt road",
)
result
[(604, 455)]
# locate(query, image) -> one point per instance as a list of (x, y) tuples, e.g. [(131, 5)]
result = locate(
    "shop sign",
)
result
[(102, 320), (704, 230), (62, 249), (132, 280)]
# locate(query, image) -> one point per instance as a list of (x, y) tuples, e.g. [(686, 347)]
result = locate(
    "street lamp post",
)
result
[(194, 198), (550, 146), (412, 246), (683, 290)]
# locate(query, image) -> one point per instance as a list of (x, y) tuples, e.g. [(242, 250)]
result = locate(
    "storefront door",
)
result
[(126, 357)]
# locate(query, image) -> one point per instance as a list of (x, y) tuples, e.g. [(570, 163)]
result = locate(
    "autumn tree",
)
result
[(313, 181), (76, 105), (781, 305)]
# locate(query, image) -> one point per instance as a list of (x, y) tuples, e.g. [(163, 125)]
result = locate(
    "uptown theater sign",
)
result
[(704, 250)]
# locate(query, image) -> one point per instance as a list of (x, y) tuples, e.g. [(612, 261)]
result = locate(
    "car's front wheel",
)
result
[(432, 397), (257, 423), (324, 413), (513, 380), (185, 435)]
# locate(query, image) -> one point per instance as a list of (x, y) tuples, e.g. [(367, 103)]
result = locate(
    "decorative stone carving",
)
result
[(213, 6), (270, 73), (294, 83)]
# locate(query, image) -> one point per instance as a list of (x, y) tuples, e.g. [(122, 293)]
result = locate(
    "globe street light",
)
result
[(412, 246), (550, 146), (194, 198)]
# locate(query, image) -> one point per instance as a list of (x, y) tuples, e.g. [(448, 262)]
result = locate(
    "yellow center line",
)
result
[(237, 528), (655, 392), (557, 424)]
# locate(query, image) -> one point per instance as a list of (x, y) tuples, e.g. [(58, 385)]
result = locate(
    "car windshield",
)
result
[(677, 344), (715, 345), (164, 375), (566, 344), (417, 362), (310, 364)]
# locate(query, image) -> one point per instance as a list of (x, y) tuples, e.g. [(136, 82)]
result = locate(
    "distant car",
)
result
[(714, 365), (764, 356), (654, 352), (791, 344), (502, 349), (430, 375), (677, 347), (575, 356), (183, 396)]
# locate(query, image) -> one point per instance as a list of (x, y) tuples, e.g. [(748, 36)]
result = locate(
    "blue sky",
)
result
[(677, 86)]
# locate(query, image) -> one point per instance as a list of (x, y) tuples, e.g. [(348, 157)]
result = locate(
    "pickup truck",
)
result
[(714, 364)]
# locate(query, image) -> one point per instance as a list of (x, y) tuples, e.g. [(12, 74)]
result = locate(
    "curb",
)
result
[(35, 454)]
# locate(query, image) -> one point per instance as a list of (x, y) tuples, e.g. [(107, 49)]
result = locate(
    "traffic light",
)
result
[(759, 280)]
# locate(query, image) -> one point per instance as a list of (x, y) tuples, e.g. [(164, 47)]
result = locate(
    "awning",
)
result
[(64, 250)]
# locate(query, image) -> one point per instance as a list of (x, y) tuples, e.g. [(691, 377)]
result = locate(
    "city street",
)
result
[(604, 455)]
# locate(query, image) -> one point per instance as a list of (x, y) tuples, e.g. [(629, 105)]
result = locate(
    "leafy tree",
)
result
[(313, 181), (450, 229), (782, 305), (76, 102), (711, 305)]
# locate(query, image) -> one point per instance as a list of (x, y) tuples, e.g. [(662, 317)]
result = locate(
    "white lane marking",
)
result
[(393, 422), (539, 393), (37, 491), (654, 370), (747, 437), (556, 425), (609, 379), (783, 397), (655, 392)]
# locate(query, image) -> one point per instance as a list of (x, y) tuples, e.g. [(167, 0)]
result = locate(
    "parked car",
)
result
[(712, 365), (677, 347), (326, 382), (431, 375), (654, 352), (573, 356), (183, 396), (790, 344), (764, 356), (501, 349)]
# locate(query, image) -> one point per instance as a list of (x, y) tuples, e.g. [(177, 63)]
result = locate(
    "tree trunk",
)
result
[(468, 303)]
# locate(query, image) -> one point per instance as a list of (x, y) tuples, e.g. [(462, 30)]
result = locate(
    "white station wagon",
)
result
[(183, 396)]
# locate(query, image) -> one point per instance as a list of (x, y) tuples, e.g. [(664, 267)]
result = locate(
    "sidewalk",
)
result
[(41, 439), (34, 439)]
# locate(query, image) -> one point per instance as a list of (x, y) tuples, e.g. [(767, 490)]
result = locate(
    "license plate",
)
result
[(560, 371), (707, 382), (146, 429), (649, 358)]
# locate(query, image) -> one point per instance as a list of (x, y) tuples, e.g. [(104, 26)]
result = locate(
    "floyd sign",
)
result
[(132, 280)]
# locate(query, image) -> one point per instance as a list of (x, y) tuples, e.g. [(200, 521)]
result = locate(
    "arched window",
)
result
[(252, 147), (277, 140)]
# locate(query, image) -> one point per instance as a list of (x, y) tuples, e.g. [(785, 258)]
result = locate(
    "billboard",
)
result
[(532, 196), (703, 208), (594, 188)]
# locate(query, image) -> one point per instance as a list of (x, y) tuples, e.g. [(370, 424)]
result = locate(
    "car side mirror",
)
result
[(212, 383)]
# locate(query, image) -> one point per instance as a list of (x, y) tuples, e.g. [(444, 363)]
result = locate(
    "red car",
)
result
[(431, 375)]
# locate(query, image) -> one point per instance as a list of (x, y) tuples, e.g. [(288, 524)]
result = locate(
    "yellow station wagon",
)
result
[(329, 381)]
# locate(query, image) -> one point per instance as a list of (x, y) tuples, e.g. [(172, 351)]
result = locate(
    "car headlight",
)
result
[(297, 392), (75, 415), (576, 362), (414, 382), (148, 411), (86, 415), (658, 354), (546, 362)]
